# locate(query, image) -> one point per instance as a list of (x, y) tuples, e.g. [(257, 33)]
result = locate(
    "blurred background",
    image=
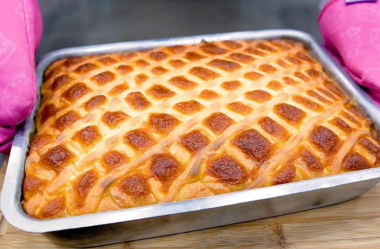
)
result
[(71, 23)]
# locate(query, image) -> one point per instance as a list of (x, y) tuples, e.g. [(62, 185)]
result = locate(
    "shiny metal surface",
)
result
[(169, 218)]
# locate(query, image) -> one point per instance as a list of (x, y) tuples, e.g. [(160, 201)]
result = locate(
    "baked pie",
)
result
[(174, 123)]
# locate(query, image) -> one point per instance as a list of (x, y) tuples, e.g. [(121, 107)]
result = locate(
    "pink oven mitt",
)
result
[(20, 34), (351, 30)]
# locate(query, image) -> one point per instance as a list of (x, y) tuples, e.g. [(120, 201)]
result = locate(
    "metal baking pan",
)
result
[(177, 217)]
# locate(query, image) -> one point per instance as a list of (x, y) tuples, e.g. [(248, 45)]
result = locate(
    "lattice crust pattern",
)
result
[(124, 130)]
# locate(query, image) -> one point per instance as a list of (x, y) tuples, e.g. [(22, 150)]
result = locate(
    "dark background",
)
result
[(69, 23)]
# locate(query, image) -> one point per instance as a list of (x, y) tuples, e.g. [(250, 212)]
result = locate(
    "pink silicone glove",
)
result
[(20, 34), (352, 35)]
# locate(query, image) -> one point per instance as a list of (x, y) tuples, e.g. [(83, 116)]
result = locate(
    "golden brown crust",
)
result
[(124, 130)]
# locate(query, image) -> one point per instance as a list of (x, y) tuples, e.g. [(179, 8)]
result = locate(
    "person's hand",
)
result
[(352, 35), (20, 34)]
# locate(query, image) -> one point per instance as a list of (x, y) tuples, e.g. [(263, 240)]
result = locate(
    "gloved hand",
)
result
[(352, 35), (20, 34)]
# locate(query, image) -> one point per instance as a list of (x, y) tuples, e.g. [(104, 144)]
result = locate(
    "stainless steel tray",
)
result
[(170, 218)]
